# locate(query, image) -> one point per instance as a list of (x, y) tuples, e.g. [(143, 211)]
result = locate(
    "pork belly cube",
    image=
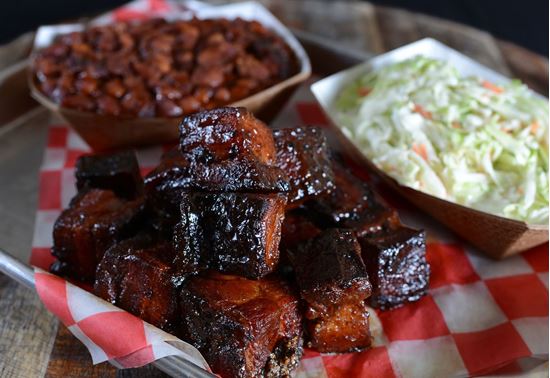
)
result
[(95, 220), (243, 328), (329, 271), (226, 134), (118, 172), (166, 184), (344, 330), (236, 233), (397, 267), (137, 276), (303, 154), (353, 204)]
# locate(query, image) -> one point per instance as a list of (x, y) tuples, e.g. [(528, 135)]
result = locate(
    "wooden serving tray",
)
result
[(33, 343)]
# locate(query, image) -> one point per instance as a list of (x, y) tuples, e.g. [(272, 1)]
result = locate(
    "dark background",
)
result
[(524, 22)]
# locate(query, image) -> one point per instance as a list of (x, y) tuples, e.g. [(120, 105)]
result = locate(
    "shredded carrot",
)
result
[(420, 149), (423, 112), (534, 127), (520, 190), (456, 125), (363, 91), (492, 87)]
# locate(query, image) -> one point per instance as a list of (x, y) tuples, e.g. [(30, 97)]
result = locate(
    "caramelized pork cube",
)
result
[(95, 220), (226, 134), (329, 271), (345, 330), (353, 204), (175, 175), (397, 267), (303, 154), (243, 328), (236, 233), (117, 172), (137, 276)]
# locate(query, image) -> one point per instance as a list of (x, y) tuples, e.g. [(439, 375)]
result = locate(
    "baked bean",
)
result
[(108, 105), (203, 94), (210, 77), (185, 60), (168, 108), (222, 95), (115, 88), (188, 37), (190, 104), (87, 85), (248, 66)]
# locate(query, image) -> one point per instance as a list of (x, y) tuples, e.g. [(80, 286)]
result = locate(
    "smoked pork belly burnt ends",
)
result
[(244, 328), (137, 276), (303, 154), (329, 271), (352, 203), (226, 134), (213, 275), (235, 233), (397, 266), (94, 221), (118, 172), (231, 228), (333, 282)]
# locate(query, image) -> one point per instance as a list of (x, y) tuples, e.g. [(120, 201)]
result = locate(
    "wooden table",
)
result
[(32, 344)]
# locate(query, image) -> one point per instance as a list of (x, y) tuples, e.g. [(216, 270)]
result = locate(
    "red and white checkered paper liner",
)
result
[(480, 316)]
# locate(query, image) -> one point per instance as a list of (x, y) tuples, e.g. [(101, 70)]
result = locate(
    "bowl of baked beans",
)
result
[(128, 84)]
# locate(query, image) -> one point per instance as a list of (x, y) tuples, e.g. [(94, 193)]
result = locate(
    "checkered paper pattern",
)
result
[(108, 332), (480, 316)]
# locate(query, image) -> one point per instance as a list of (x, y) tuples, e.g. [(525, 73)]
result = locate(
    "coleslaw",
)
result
[(459, 138)]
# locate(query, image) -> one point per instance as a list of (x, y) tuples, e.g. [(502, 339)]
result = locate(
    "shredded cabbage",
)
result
[(459, 138)]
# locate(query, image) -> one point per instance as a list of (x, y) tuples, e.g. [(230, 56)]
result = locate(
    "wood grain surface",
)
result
[(31, 342)]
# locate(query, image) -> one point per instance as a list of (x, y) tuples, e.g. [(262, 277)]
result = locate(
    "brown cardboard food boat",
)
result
[(496, 236), (106, 132)]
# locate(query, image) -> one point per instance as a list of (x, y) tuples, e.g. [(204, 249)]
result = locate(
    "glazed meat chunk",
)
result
[(244, 328), (95, 220), (117, 172), (346, 329), (353, 204), (235, 233), (334, 284), (330, 272), (136, 275), (226, 134), (302, 153), (397, 267)]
